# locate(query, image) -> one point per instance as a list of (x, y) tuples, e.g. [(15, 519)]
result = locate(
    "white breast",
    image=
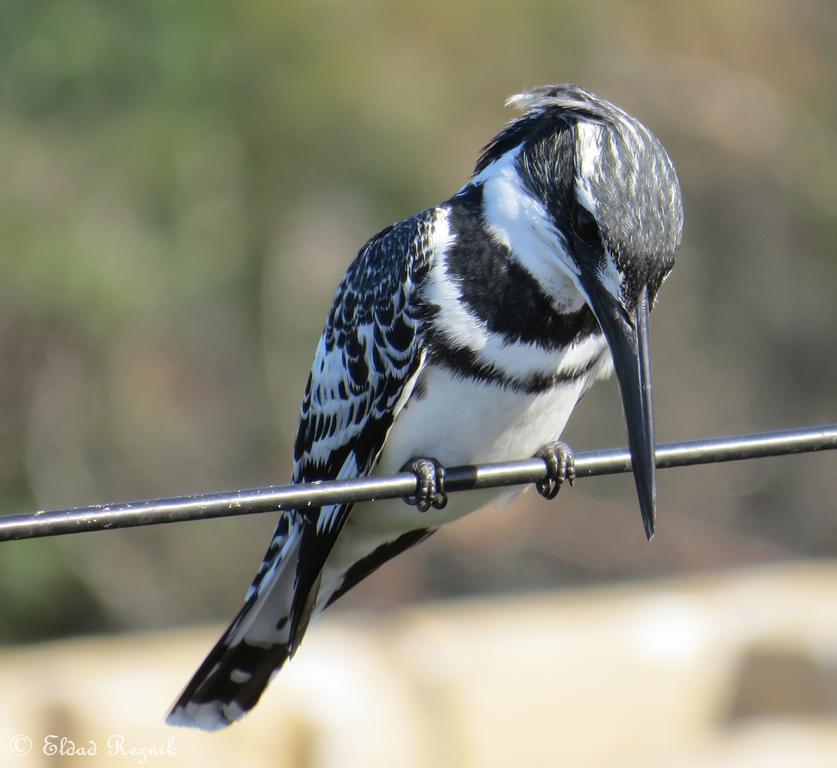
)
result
[(463, 421), (457, 421)]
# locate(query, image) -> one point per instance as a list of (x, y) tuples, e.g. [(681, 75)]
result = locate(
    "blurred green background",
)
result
[(183, 184)]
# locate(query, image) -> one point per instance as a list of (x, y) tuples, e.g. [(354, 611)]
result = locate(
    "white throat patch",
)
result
[(520, 222)]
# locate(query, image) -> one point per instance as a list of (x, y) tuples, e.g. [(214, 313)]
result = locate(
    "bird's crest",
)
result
[(566, 97), (546, 108)]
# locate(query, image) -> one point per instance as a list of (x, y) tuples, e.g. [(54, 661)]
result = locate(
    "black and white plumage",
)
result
[(466, 333)]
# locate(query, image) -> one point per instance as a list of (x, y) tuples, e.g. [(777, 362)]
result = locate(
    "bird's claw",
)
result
[(430, 484), (560, 468)]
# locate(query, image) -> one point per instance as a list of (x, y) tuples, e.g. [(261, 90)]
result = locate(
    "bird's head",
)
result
[(597, 194)]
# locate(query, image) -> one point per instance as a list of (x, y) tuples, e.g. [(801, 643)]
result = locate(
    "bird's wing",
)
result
[(367, 362)]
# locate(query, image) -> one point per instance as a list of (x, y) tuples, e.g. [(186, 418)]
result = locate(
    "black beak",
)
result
[(627, 336)]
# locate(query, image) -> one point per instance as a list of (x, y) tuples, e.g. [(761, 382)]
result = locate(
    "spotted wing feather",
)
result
[(366, 362)]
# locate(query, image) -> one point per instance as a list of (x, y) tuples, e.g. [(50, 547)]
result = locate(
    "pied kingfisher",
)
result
[(466, 333)]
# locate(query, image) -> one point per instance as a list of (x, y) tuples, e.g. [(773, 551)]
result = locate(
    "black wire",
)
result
[(276, 497)]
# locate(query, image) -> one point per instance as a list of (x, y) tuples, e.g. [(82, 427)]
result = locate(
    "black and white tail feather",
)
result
[(468, 333)]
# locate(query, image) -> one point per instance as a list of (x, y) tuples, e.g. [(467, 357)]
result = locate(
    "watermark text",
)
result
[(116, 745)]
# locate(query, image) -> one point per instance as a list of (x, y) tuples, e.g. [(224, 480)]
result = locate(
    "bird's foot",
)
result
[(560, 468), (430, 478)]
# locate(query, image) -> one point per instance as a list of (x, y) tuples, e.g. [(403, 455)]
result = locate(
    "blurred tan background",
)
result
[(184, 183)]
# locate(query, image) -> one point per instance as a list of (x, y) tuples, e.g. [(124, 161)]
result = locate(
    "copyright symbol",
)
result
[(20, 745)]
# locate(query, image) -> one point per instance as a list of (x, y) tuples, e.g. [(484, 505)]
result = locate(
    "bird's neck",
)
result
[(490, 316), (519, 222)]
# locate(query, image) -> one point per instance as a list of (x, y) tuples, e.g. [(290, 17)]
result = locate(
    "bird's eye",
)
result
[(585, 225)]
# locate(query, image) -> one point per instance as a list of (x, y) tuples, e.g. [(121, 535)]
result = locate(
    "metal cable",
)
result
[(277, 497)]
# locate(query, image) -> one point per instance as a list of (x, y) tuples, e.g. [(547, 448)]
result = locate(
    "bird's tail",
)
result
[(254, 647)]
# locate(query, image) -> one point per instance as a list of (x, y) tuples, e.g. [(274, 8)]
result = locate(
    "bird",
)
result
[(465, 334)]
